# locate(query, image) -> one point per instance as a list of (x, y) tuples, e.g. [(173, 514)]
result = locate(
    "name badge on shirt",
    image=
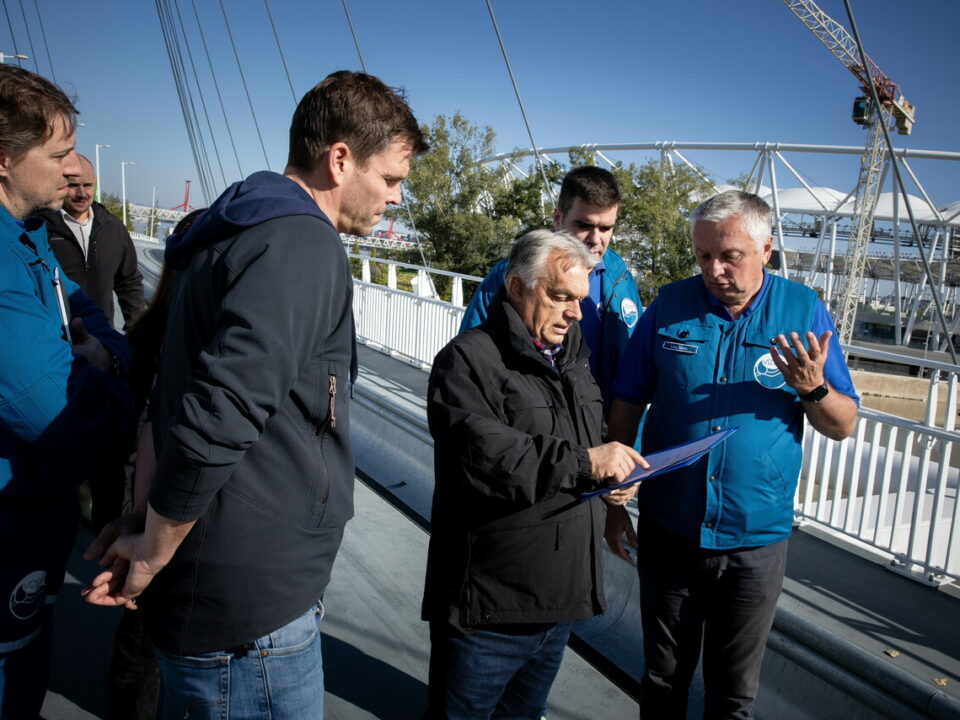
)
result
[(681, 348)]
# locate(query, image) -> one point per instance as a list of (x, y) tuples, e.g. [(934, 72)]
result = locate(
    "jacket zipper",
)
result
[(332, 400)]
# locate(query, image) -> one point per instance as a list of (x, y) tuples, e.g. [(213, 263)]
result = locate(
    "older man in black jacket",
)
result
[(517, 424), (94, 248)]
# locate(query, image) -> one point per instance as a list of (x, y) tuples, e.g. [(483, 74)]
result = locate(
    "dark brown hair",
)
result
[(593, 185), (354, 108), (29, 108)]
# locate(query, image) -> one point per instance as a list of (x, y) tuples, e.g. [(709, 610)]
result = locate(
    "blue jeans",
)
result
[(279, 676), (503, 674)]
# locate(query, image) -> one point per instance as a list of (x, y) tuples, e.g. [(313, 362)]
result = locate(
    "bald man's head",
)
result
[(80, 191)]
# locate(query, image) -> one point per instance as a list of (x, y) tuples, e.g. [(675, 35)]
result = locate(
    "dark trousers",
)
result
[(133, 685), (725, 600), (502, 672)]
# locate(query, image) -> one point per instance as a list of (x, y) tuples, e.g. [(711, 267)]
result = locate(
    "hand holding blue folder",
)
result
[(668, 459)]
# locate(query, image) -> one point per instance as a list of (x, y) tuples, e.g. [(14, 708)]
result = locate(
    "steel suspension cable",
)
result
[(280, 50), (903, 189), (363, 65), (216, 85), (13, 37), (246, 90), (207, 176), (203, 103), (43, 34), (523, 112), (26, 27), (165, 28)]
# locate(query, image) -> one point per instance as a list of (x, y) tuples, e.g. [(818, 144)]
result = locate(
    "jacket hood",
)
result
[(261, 197)]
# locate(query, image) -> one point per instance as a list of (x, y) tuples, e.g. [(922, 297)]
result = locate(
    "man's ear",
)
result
[(515, 288), (5, 162), (338, 161), (557, 218)]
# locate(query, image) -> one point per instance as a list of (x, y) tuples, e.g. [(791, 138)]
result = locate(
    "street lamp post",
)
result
[(153, 212), (4, 58), (97, 153), (123, 187)]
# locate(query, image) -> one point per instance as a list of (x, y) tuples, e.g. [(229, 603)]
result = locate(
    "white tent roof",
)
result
[(809, 202), (922, 212)]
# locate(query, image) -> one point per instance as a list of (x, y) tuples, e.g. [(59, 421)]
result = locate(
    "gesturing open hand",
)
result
[(802, 367)]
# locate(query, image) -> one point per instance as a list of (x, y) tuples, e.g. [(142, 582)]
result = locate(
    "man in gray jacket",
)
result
[(254, 472)]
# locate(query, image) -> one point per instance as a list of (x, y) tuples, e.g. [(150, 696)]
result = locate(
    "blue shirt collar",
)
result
[(721, 309)]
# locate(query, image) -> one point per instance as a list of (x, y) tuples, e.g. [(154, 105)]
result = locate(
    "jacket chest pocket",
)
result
[(758, 369), (684, 355), (531, 408)]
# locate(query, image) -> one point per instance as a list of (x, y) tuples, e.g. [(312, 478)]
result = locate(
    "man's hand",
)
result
[(127, 575), (87, 346), (802, 371), (619, 527), (129, 524), (132, 561), (613, 461)]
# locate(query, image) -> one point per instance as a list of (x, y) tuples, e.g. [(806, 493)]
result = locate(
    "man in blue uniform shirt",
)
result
[(61, 401), (733, 347), (587, 209)]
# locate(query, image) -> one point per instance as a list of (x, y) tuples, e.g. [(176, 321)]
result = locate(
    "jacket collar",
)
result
[(508, 330)]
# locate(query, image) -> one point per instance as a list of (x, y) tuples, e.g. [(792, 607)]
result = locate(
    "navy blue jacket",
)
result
[(250, 417), (620, 309)]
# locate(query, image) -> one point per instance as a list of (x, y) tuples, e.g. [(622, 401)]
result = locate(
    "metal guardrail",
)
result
[(892, 486)]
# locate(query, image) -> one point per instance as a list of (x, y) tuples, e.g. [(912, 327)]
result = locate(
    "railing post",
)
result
[(392, 276), (456, 295), (365, 270)]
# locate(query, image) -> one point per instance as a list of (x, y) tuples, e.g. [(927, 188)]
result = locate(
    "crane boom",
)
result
[(893, 106)]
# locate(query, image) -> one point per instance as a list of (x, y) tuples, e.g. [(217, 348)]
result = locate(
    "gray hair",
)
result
[(529, 255), (754, 214)]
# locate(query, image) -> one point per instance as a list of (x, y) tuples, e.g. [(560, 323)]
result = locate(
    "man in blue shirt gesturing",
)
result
[(734, 346)]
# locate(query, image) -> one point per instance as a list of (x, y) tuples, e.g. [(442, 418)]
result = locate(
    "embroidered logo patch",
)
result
[(629, 312), (767, 373), (28, 595), (681, 348)]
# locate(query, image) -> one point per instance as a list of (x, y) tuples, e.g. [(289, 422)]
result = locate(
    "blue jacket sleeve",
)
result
[(48, 396), (478, 307)]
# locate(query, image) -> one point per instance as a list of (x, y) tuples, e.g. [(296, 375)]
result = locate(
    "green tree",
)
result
[(652, 230), (468, 211), (113, 204)]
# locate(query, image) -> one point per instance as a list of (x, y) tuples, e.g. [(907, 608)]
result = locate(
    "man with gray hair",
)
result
[(515, 556), (733, 347)]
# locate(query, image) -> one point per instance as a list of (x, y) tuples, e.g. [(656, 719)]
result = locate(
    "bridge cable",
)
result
[(406, 204), (523, 112), (207, 175), (203, 103), (356, 42), (280, 49), (46, 47), (26, 27), (13, 37), (896, 171), (216, 85), (165, 28), (244, 80)]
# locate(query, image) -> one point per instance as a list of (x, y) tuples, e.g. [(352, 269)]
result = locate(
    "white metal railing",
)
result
[(892, 485)]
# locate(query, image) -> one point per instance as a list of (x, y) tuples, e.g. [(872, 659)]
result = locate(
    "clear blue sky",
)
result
[(605, 72)]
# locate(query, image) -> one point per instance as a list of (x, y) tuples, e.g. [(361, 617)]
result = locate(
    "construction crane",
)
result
[(894, 108)]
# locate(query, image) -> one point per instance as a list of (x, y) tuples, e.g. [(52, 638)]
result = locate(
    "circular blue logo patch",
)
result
[(629, 312), (767, 373)]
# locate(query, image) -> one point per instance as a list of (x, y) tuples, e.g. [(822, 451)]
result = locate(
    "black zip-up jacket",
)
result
[(509, 541), (250, 418), (110, 264)]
